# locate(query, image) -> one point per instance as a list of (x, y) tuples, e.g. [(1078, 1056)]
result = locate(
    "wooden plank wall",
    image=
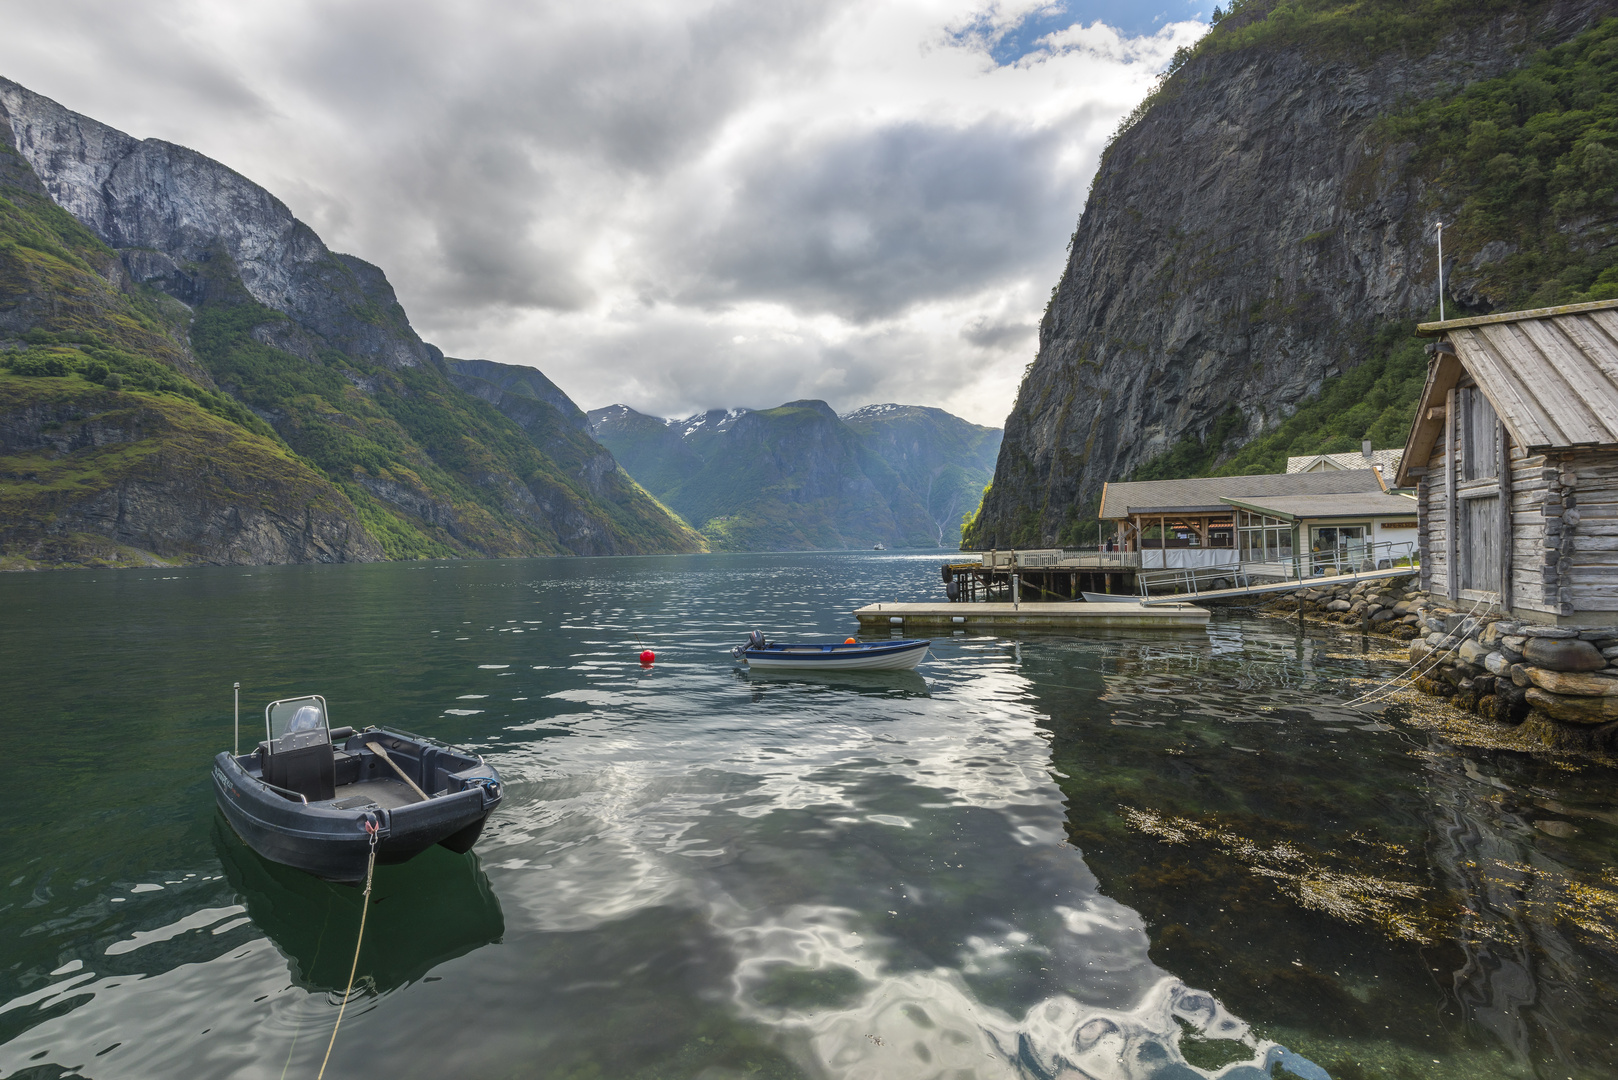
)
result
[(1530, 487), (1435, 558), (1590, 490), (1424, 517)]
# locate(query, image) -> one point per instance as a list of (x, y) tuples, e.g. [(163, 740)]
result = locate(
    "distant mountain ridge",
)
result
[(188, 374), (801, 477)]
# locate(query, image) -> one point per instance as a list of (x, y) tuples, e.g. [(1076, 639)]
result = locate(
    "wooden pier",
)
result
[(1043, 575), (1068, 616)]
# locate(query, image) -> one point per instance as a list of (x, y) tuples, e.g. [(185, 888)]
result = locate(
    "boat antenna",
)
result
[(1440, 271), (238, 749)]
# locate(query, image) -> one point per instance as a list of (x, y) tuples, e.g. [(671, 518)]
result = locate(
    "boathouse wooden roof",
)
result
[(1551, 375), (1207, 494)]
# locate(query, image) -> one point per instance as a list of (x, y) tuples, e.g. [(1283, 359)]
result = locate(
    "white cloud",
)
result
[(675, 206)]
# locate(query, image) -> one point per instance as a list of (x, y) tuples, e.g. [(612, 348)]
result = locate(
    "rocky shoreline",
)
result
[(1561, 681)]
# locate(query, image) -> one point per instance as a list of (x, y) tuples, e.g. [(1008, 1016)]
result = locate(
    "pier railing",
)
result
[(1061, 559), (1366, 558)]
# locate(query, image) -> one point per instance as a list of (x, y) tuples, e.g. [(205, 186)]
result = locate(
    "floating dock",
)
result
[(1070, 615)]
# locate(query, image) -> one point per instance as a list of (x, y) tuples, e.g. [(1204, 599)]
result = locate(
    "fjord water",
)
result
[(1132, 856)]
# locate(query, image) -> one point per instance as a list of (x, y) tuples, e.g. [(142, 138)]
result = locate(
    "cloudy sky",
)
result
[(676, 206)]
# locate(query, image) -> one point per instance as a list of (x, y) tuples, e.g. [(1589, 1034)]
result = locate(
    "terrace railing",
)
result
[(1361, 559)]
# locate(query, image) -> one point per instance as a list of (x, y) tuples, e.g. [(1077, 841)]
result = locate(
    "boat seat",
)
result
[(303, 761)]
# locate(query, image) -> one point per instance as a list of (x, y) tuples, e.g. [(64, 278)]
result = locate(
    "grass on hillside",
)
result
[(1529, 162)]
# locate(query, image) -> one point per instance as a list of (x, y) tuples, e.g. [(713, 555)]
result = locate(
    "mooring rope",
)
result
[(1371, 696), (370, 865)]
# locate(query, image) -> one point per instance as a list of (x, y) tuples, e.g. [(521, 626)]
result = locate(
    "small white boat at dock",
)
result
[(831, 656)]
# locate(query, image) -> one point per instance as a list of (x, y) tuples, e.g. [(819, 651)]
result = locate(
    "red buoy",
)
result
[(646, 658)]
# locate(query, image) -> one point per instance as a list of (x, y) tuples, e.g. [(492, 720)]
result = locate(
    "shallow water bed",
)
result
[(1137, 856)]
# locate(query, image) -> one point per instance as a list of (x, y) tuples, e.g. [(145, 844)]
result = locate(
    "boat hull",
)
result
[(881, 656), (333, 843)]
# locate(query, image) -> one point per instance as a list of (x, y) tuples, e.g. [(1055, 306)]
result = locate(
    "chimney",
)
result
[(1365, 448)]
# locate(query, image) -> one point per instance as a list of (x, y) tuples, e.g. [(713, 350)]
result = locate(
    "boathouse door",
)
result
[(1477, 513)]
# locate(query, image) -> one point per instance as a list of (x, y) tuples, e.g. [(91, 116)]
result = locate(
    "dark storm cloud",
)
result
[(674, 204), (994, 334), (865, 224)]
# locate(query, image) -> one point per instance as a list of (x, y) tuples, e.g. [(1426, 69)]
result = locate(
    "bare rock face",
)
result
[(166, 206), (1238, 245)]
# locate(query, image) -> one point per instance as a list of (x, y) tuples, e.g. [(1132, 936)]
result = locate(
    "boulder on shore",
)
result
[(1574, 683), (1563, 654), (1574, 710)]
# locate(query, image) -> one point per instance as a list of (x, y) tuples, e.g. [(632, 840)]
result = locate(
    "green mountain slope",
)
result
[(186, 285), (552, 422), (945, 461), (798, 476), (115, 446)]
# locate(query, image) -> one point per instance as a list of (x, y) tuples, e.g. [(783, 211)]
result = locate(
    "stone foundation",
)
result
[(1560, 682), (1393, 607)]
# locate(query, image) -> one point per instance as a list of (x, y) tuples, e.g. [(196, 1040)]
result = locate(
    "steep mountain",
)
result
[(944, 460), (650, 449), (189, 374), (562, 431), (799, 476), (1259, 239)]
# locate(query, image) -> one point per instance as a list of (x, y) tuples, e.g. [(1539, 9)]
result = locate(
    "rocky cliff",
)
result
[(154, 299), (801, 477), (1247, 239)]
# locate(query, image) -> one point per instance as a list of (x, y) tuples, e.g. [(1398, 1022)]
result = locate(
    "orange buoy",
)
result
[(646, 658), (850, 641)]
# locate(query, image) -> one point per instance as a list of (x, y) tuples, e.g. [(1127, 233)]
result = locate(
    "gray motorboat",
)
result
[(310, 796)]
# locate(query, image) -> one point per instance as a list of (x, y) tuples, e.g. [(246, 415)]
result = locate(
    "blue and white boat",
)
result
[(831, 656)]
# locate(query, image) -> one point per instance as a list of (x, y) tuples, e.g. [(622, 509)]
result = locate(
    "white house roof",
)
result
[(1206, 494), (1358, 504), (1550, 373), (1388, 459)]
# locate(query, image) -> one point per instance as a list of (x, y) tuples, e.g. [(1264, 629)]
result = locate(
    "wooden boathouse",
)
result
[(1515, 454)]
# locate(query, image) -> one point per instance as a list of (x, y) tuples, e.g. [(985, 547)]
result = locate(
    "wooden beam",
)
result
[(1450, 462), (376, 748), (1503, 442)]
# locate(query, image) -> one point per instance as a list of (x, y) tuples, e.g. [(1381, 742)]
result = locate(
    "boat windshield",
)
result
[(304, 714)]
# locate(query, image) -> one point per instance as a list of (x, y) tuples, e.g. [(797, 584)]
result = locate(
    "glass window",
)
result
[(295, 714)]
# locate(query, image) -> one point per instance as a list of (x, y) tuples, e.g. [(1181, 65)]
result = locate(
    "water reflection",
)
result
[(1327, 869), (429, 910), (867, 683)]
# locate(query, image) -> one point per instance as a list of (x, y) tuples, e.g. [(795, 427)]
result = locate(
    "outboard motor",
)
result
[(755, 640)]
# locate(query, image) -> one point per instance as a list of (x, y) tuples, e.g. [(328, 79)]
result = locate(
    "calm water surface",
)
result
[(1041, 856)]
